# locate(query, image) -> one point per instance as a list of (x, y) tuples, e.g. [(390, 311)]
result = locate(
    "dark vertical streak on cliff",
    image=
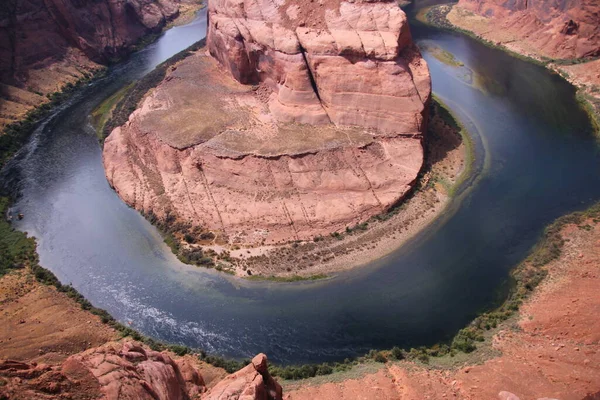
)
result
[(313, 82), (112, 24), (312, 79)]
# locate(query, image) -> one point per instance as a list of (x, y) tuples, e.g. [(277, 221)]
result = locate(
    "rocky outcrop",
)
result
[(556, 29), (315, 124), (252, 382), (114, 370), (350, 63), (129, 370)]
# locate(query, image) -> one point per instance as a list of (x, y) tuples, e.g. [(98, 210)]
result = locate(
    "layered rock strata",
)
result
[(556, 29), (304, 119), (45, 44)]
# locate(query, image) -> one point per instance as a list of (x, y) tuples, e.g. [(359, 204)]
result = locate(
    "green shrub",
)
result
[(179, 349), (397, 353), (379, 357)]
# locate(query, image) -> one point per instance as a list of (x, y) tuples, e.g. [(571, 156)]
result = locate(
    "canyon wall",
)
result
[(306, 118), (45, 44), (556, 29)]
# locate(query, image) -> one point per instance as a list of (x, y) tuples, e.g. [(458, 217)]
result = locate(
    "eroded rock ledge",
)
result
[(299, 119)]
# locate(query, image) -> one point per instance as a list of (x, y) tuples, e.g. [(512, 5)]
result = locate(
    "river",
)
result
[(536, 158)]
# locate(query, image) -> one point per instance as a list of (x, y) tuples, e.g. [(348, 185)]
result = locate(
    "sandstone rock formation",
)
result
[(350, 63), (114, 371), (45, 44), (251, 382), (562, 29), (310, 120), (129, 370)]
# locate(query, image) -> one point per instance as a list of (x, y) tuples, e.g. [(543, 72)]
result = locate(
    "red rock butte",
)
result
[(298, 119)]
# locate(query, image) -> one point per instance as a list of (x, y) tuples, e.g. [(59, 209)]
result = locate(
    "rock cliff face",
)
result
[(307, 118), (341, 62), (35, 31), (45, 44), (564, 29)]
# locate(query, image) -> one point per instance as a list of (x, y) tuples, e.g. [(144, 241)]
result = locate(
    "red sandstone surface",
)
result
[(310, 120), (45, 44), (554, 29), (129, 370)]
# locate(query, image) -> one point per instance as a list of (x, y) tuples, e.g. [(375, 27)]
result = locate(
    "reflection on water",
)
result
[(541, 162)]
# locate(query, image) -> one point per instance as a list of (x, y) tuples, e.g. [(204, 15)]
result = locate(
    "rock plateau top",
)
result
[(298, 119)]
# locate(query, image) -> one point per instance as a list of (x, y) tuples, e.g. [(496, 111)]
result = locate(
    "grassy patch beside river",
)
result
[(441, 55), (443, 112), (16, 250), (102, 114)]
